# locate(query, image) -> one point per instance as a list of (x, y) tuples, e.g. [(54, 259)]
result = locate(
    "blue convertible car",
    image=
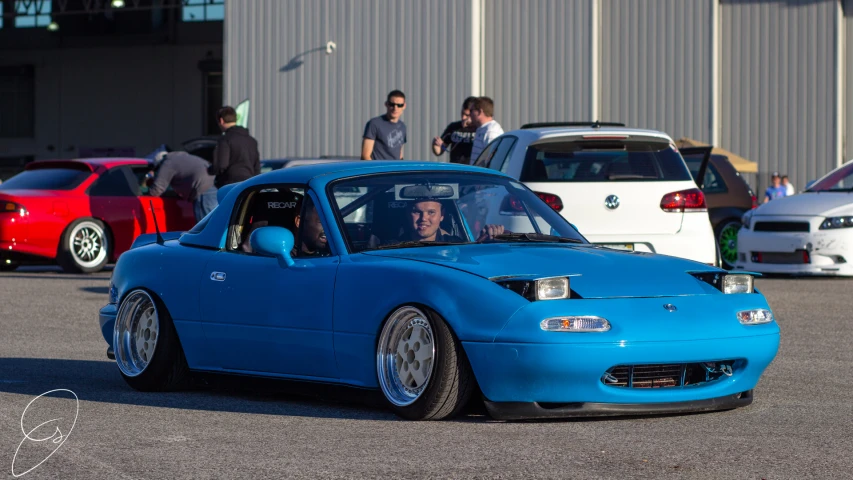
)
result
[(432, 283)]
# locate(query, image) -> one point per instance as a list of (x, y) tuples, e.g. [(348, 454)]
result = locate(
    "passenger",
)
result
[(311, 234)]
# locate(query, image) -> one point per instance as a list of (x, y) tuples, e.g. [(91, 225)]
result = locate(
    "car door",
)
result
[(697, 159), (114, 198), (173, 213), (264, 318)]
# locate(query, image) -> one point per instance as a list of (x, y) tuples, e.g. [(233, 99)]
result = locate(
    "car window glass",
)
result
[(116, 182), (142, 181), (501, 153), (840, 179), (46, 179), (633, 160), (266, 205), (311, 234), (714, 181), (486, 155), (387, 209)]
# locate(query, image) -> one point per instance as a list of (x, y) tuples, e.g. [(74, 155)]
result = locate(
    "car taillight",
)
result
[(511, 203), (754, 201), (692, 200), (12, 207), (552, 200)]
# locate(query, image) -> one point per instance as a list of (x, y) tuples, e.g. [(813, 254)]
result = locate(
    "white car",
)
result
[(808, 233), (621, 187)]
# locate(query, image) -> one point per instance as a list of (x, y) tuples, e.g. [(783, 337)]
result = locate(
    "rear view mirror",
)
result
[(273, 241), (412, 192)]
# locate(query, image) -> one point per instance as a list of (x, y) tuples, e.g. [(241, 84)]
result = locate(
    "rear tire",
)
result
[(85, 247), (726, 235), (146, 345), (423, 371)]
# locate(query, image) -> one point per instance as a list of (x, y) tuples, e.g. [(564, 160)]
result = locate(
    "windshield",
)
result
[(46, 179), (840, 180), (428, 208)]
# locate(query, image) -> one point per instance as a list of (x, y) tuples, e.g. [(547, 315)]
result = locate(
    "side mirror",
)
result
[(275, 241), (810, 183)]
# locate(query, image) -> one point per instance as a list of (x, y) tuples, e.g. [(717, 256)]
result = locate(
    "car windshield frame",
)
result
[(534, 206), (75, 177), (833, 178)]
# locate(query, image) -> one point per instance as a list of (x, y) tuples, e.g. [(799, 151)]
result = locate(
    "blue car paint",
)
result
[(277, 241), (319, 319)]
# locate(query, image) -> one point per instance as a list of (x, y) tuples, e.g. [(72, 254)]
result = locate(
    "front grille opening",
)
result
[(781, 227), (668, 375)]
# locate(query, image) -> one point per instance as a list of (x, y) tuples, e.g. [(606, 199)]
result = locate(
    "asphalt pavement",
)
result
[(799, 425)]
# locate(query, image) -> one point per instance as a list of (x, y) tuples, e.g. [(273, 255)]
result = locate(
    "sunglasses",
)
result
[(392, 104)]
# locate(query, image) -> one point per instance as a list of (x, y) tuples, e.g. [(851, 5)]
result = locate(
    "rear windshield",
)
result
[(46, 179), (628, 160)]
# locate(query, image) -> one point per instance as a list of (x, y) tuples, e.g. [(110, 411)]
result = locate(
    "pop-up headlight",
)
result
[(733, 283), (551, 288)]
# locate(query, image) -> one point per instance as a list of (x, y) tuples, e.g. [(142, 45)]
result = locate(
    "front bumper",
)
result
[(829, 252), (535, 410), (572, 372)]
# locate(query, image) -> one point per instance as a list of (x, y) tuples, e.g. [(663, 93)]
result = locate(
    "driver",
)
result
[(311, 234), (425, 220)]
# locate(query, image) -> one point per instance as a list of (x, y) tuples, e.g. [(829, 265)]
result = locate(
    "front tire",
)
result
[(422, 368), (147, 350), (726, 234), (84, 247)]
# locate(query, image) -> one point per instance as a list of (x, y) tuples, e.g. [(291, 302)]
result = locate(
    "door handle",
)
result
[(217, 276)]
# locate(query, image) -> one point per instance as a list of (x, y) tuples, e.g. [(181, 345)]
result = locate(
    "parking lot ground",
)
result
[(799, 426)]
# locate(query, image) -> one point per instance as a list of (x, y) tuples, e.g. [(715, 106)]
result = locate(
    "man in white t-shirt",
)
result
[(482, 116)]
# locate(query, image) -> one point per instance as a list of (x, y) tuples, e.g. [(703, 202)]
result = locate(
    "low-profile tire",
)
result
[(84, 247), (726, 236), (423, 371), (146, 345)]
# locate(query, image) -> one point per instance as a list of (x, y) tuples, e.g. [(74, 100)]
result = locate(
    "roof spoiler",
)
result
[(595, 124)]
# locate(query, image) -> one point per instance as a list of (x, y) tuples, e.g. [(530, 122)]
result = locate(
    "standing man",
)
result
[(776, 190), (789, 187), (188, 176), (482, 117), (385, 135), (236, 157), (458, 137)]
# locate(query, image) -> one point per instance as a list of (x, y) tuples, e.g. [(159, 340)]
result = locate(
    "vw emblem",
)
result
[(611, 202), (670, 307)]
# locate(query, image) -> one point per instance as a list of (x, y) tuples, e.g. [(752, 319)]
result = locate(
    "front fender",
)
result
[(369, 288)]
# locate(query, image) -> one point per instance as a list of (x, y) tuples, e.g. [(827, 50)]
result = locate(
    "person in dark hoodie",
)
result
[(236, 157)]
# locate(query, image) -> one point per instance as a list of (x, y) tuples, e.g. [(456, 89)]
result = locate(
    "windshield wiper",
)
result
[(535, 237), (417, 243)]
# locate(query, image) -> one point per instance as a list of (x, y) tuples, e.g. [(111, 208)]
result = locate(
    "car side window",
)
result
[(139, 173), (498, 161), (261, 206), (486, 156), (116, 182), (714, 181)]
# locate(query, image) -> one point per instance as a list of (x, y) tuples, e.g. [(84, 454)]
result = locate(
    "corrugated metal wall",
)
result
[(847, 153), (656, 65), (537, 60), (779, 95), (305, 103)]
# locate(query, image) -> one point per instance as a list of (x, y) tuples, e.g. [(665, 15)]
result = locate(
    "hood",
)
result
[(806, 204), (595, 272)]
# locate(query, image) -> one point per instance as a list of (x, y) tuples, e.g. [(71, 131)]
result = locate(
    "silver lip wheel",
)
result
[(136, 332), (88, 244), (405, 356)]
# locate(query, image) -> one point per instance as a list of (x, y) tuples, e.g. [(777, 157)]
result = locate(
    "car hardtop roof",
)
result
[(542, 133), (92, 163), (343, 169)]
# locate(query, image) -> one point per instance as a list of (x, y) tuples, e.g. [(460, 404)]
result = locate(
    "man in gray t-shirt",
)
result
[(187, 174), (385, 135)]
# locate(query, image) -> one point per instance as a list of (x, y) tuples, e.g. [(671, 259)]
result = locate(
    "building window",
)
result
[(17, 102), (1, 14), (203, 10), (212, 101), (32, 13)]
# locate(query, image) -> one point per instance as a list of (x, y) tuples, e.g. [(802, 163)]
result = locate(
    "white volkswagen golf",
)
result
[(621, 187), (809, 233)]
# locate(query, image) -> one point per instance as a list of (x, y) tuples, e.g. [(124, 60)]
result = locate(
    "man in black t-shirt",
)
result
[(458, 137)]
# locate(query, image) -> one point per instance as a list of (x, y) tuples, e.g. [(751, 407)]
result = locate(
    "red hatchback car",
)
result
[(82, 213)]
